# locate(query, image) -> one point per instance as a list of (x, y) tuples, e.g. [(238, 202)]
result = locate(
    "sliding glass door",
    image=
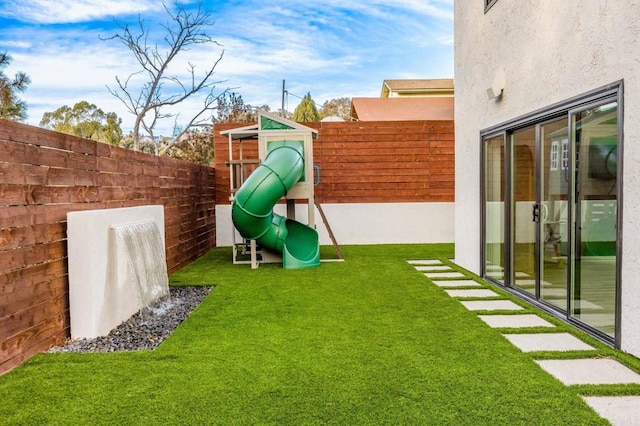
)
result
[(593, 293), (524, 208), (494, 207), (553, 228), (540, 173), (550, 210)]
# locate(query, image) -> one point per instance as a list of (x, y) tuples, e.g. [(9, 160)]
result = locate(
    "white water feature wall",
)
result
[(146, 259), (117, 266)]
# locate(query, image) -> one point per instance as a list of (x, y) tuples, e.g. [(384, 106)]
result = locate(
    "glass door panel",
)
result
[(524, 208), (494, 196), (553, 230), (550, 210), (593, 293)]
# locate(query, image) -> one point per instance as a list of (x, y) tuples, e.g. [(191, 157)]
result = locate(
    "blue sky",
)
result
[(332, 48)]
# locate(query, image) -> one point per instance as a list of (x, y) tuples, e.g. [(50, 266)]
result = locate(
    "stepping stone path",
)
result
[(425, 262), (440, 274), (618, 410), (472, 293), (491, 305), (547, 342), (434, 268), (515, 321), (457, 283), (597, 371)]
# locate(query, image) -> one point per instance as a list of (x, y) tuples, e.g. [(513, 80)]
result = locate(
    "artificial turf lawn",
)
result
[(366, 341)]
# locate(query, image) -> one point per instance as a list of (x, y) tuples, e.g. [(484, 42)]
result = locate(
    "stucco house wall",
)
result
[(550, 51)]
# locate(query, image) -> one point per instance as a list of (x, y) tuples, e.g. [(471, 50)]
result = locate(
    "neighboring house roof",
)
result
[(398, 109), (417, 87)]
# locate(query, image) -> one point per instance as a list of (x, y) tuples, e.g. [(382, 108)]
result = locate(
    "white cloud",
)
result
[(446, 40), (244, 58), (440, 9), (70, 11), (68, 66), (333, 49), (437, 8), (11, 44)]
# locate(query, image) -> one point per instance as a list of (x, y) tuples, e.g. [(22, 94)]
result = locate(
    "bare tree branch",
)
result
[(198, 120), (183, 30)]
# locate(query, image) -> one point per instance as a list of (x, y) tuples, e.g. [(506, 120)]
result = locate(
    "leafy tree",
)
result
[(146, 145), (149, 104), (85, 120), (12, 108), (232, 109), (340, 107), (196, 147), (306, 111)]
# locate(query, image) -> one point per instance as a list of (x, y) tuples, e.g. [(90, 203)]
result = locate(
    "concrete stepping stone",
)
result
[(472, 293), (515, 321), (561, 342), (434, 268), (457, 283), (425, 262), (491, 305), (600, 371), (436, 274), (619, 410)]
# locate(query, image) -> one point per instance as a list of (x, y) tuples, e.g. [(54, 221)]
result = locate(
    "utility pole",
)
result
[(283, 93)]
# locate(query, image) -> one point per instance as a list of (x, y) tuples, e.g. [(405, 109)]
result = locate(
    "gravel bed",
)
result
[(147, 328)]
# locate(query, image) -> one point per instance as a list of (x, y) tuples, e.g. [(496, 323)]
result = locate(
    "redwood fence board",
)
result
[(43, 176), (368, 162)]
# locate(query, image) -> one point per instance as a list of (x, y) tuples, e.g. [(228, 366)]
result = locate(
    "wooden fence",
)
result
[(44, 175), (370, 162)]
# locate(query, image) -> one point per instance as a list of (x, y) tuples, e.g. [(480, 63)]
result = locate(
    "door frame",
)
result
[(609, 93)]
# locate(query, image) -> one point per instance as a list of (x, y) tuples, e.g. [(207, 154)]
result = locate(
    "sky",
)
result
[(330, 49)]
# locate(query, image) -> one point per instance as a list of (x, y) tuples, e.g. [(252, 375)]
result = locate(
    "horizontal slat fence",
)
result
[(44, 175), (370, 162)]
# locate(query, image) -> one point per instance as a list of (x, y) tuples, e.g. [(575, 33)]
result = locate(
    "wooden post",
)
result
[(326, 223), (291, 209), (254, 255)]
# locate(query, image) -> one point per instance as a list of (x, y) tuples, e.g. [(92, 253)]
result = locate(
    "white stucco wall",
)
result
[(366, 223), (102, 291), (550, 51)]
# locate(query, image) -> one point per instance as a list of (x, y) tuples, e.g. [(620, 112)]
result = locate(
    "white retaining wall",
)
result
[(366, 223)]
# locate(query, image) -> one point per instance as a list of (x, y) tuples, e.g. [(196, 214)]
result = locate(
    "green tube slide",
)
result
[(252, 209)]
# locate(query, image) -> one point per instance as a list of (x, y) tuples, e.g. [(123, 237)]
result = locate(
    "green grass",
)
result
[(366, 341)]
